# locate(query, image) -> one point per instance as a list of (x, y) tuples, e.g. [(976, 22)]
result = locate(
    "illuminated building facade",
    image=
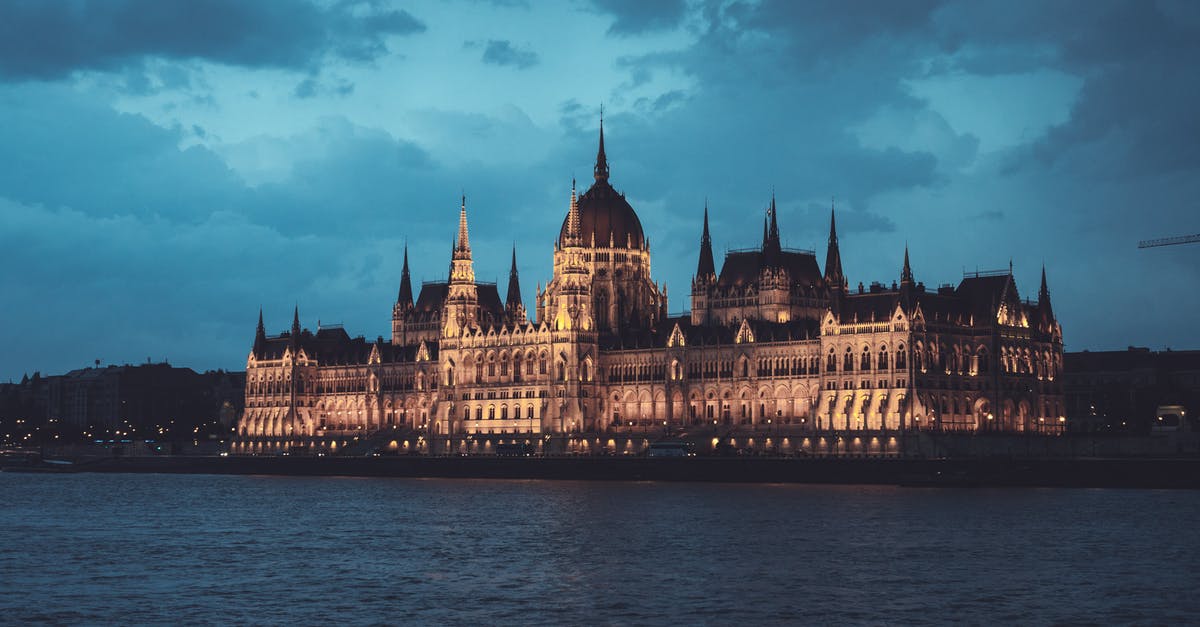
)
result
[(771, 340)]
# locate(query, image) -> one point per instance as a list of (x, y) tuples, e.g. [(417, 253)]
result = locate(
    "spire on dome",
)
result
[(405, 297), (706, 268), (574, 236), (601, 160)]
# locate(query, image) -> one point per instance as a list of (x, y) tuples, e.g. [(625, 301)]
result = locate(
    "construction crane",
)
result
[(1169, 241)]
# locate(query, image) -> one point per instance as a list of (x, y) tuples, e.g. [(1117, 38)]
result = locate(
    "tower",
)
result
[(706, 276), (404, 303), (462, 297), (260, 335), (512, 303), (835, 281)]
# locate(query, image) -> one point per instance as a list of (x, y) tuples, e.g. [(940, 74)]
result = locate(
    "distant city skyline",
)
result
[(171, 167)]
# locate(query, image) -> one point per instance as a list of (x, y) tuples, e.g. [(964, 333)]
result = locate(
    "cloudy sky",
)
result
[(166, 168)]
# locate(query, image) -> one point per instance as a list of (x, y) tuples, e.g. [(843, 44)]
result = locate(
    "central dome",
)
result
[(604, 214), (604, 211)]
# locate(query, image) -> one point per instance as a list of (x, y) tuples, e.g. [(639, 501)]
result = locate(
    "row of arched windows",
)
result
[(503, 415)]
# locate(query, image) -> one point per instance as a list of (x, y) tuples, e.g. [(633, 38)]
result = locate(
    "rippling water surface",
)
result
[(197, 549)]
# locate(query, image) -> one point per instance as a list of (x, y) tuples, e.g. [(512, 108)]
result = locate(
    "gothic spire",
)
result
[(1044, 298), (296, 325), (774, 223), (462, 270), (706, 268), (462, 247), (260, 333), (513, 301), (574, 233), (834, 279), (405, 298), (906, 275), (601, 159), (771, 245)]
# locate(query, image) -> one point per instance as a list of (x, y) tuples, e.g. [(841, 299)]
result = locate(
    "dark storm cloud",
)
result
[(503, 52), (633, 17), (48, 39), (1141, 94), (63, 150)]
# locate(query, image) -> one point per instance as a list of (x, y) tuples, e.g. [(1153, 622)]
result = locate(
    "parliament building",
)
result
[(775, 351)]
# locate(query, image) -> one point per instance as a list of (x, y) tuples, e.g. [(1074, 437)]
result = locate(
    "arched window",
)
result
[(478, 372), (985, 363), (866, 359), (883, 358), (831, 366), (848, 361), (491, 412), (504, 412), (529, 412), (466, 413), (585, 372), (479, 413)]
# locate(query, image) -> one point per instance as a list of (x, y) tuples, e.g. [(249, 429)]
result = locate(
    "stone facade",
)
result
[(770, 342)]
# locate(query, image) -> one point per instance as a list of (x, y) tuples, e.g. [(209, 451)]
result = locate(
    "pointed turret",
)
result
[(573, 236), (295, 337), (601, 169), (834, 279), (260, 334), (513, 302), (461, 294), (907, 284), (771, 246), (462, 246), (404, 300), (706, 269), (1044, 307)]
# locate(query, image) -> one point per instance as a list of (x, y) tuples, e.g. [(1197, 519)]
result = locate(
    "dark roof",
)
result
[(743, 267), (333, 346), (982, 294), (707, 335), (433, 297), (603, 210), (869, 306)]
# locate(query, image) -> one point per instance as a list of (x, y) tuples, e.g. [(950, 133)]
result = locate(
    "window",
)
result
[(848, 361), (883, 359), (866, 359), (491, 412)]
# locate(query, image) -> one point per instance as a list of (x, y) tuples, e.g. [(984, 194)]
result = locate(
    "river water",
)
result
[(201, 549)]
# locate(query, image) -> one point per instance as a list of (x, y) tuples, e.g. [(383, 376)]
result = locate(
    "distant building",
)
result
[(1121, 391), (770, 340), (116, 398)]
